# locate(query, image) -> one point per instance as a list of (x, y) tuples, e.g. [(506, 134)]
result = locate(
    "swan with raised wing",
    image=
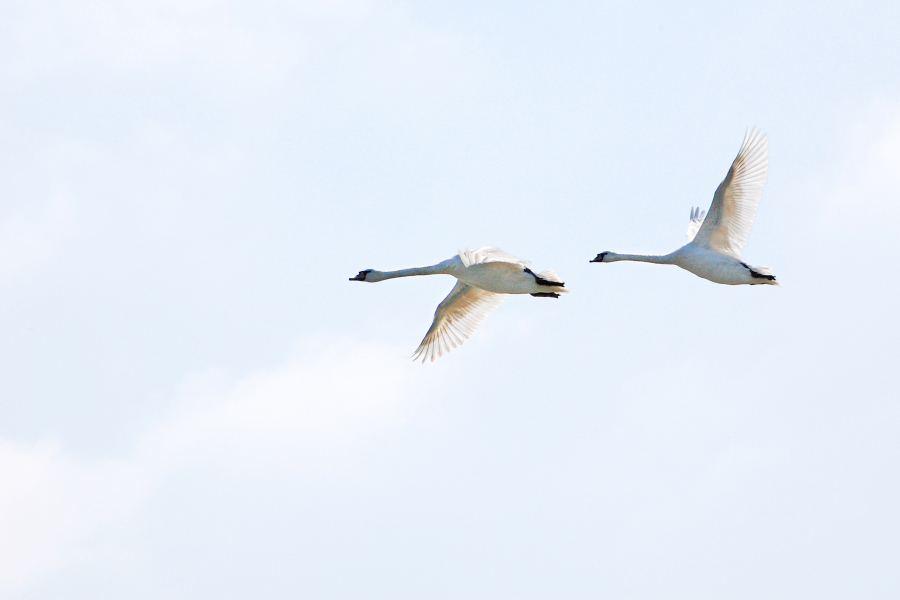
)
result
[(485, 276), (715, 243)]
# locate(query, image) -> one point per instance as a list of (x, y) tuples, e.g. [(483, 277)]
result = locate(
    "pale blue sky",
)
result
[(196, 403)]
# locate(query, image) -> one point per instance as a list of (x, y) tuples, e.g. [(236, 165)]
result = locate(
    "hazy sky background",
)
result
[(196, 403)]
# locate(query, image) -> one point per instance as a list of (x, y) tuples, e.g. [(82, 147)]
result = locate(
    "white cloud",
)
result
[(327, 401), (379, 45), (133, 33), (48, 502), (330, 398), (28, 238)]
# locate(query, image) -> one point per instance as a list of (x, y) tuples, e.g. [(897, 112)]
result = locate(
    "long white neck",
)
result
[(659, 260), (438, 269)]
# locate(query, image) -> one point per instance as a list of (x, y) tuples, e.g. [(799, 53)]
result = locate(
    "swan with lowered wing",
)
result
[(484, 278)]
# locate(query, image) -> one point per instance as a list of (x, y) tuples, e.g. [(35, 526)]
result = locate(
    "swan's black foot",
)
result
[(361, 276), (545, 295), (600, 257), (542, 281), (757, 275)]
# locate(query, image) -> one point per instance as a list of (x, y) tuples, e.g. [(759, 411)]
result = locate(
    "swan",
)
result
[(714, 245), (484, 278)]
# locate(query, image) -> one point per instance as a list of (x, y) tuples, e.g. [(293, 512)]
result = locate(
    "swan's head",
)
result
[(606, 257), (361, 276)]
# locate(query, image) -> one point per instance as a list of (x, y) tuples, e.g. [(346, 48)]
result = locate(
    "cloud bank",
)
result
[(328, 401)]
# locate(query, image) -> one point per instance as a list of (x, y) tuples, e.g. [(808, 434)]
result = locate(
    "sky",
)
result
[(196, 403)]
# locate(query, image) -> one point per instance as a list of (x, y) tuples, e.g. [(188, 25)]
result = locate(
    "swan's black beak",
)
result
[(600, 257), (361, 276)]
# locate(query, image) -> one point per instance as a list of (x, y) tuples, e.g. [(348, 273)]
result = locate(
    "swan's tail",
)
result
[(550, 275), (764, 274)]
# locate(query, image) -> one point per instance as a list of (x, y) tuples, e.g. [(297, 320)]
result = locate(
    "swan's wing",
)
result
[(695, 222), (487, 254), (727, 225), (460, 313)]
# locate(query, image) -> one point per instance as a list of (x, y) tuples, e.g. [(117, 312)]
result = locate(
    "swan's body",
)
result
[(715, 243), (484, 277)]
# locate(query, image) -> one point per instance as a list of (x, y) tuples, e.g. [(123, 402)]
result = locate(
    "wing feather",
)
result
[(456, 317), (487, 254), (730, 217), (695, 222)]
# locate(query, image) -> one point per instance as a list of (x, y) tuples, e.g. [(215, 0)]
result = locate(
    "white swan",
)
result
[(485, 276), (714, 247)]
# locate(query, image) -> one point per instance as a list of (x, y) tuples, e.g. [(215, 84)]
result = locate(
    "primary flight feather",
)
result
[(484, 277), (715, 243)]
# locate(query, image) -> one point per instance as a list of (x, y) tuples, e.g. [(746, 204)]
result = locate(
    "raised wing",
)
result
[(727, 225), (460, 313), (695, 222), (487, 254)]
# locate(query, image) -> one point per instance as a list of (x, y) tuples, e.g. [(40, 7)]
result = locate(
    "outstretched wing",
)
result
[(727, 225), (460, 313), (695, 222), (487, 254)]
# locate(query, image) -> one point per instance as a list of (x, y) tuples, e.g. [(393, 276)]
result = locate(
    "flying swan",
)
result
[(714, 245), (484, 277)]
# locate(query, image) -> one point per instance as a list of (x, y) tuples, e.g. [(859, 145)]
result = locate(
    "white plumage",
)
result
[(456, 318), (487, 254), (730, 217), (695, 222), (715, 243), (485, 276)]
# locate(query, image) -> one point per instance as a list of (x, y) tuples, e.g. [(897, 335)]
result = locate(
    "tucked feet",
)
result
[(755, 274), (541, 281)]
